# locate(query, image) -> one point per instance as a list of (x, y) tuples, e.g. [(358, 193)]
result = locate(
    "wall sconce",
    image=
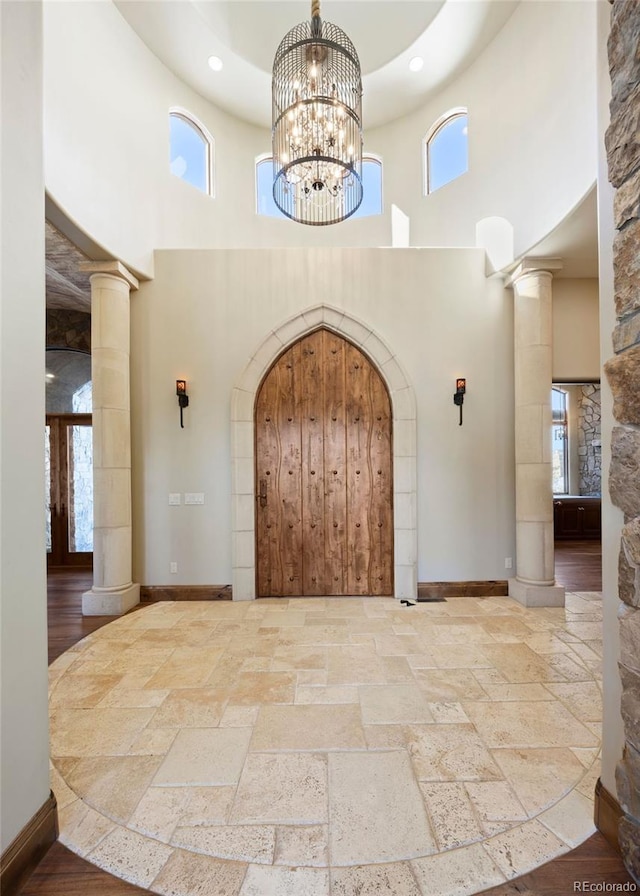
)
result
[(183, 398), (458, 395)]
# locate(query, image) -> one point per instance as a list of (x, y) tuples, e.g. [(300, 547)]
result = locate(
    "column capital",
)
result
[(531, 264), (111, 268)]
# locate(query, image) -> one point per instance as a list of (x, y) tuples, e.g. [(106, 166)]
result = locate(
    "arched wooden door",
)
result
[(324, 479)]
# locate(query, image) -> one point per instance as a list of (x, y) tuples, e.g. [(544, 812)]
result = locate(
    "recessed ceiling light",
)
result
[(215, 63), (415, 64), (50, 376)]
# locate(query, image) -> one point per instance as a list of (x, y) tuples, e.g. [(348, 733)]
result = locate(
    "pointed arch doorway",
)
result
[(323, 473)]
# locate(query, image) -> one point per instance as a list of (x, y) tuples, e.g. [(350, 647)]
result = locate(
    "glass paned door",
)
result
[(70, 507)]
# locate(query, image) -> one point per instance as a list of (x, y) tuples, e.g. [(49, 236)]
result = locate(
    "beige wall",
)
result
[(205, 314), (576, 330)]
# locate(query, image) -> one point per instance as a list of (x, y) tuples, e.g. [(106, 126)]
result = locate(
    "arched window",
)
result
[(446, 150), (265, 204), (190, 151), (371, 181), (372, 187)]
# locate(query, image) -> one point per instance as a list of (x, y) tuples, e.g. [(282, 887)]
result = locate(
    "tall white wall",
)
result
[(204, 315), (25, 747), (532, 142)]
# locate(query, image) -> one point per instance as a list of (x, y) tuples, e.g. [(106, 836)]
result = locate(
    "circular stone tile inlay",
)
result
[(329, 745)]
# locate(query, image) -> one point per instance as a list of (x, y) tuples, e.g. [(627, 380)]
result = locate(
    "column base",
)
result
[(114, 602), (536, 595)]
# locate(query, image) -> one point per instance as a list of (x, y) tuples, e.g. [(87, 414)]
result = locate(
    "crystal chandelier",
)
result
[(317, 129)]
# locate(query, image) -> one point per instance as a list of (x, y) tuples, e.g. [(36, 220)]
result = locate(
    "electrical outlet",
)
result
[(508, 563), (173, 566)]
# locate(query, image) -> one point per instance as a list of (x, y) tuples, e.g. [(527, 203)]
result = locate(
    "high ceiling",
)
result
[(245, 34)]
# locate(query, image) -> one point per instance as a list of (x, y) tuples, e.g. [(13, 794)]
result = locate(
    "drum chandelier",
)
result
[(317, 123)]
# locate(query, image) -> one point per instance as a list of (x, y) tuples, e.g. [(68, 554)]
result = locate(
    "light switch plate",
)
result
[(194, 497), (174, 497)]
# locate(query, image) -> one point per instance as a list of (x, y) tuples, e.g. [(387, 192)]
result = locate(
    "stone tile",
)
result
[(448, 713), (289, 788), (570, 819), (206, 805), (451, 813), (444, 685), (132, 697), (582, 698), (259, 688), (205, 756), (450, 753), (395, 879), (520, 849), (239, 717), (82, 828), (153, 742), (398, 645), (335, 694), (130, 856), (539, 776), (96, 732), (159, 811), (242, 843), (393, 704), (308, 727), (518, 663), (302, 845), (469, 658), (187, 667), (377, 812), (385, 737), (356, 664), (190, 874), (527, 692), (296, 658), (495, 804), (82, 691), (458, 872), (261, 880), (63, 793), (113, 785), (191, 708), (525, 724)]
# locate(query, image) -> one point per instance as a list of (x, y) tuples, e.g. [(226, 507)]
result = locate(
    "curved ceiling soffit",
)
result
[(448, 34)]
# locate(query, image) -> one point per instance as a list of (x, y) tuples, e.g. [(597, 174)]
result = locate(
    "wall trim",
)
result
[(607, 813), (154, 593), (21, 857), (403, 405), (440, 590)]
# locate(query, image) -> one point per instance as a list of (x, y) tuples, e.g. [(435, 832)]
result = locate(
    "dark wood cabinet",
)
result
[(576, 517)]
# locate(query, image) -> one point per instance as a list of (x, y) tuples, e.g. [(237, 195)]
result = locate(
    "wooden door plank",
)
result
[(381, 508), (290, 474), (335, 509), (268, 567), (313, 480), (358, 476)]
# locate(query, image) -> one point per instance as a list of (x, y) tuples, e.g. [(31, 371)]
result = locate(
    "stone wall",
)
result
[(623, 373), (589, 442), (69, 329)]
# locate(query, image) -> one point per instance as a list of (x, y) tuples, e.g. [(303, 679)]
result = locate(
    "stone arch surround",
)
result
[(403, 406)]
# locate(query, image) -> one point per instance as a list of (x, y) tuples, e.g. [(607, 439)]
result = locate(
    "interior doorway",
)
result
[(323, 473), (69, 489)]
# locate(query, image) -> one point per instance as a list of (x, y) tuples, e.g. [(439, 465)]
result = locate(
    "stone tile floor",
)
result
[(344, 746)]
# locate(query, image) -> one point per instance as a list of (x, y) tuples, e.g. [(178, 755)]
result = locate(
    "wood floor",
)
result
[(62, 873)]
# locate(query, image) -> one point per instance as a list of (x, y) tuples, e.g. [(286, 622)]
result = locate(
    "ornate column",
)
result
[(113, 591), (534, 584)]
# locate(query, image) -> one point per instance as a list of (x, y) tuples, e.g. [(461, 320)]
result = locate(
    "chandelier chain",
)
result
[(315, 9)]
